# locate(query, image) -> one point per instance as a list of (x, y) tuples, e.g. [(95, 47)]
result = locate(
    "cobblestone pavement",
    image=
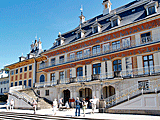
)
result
[(96, 115)]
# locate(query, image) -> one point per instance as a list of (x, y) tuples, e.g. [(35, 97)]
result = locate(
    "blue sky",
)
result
[(21, 20)]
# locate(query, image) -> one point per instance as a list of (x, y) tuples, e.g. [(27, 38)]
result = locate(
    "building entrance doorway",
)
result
[(66, 96), (85, 93), (108, 91)]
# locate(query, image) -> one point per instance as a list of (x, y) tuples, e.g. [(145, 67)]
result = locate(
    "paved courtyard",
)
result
[(96, 115)]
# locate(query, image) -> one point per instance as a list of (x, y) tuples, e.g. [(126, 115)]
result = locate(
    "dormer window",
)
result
[(60, 40), (80, 33), (115, 20), (151, 7), (115, 23), (151, 10), (96, 27)]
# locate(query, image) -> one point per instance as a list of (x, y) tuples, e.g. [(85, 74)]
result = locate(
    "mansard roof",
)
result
[(129, 13)]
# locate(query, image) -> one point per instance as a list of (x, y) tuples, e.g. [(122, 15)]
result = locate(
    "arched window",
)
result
[(96, 69), (80, 71), (42, 78), (117, 67)]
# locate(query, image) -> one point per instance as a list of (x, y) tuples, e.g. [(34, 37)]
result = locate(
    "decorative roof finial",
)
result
[(36, 37), (59, 34), (81, 10), (22, 54), (96, 19)]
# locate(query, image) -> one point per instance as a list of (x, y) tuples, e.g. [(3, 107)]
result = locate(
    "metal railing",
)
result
[(126, 94), (129, 73), (23, 96), (133, 43)]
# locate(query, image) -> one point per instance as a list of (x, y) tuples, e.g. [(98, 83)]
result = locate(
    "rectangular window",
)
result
[(72, 56), (61, 75), (16, 71), (52, 76), (115, 22), (12, 78), (106, 47), (59, 42), (80, 71), (25, 69), (96, 29), (53, 61), (12, 84), (25, 83), (38, 92), (79, 35), (30, 67), (116, 45), (47, 92), (86, 53), (146, 37), (15, 83), (12, 72), (25, 75), (20, 70), (79, 54), (61, 59), (16, 77), (126, 42), (143, 85), (29, 83), (20, 82), (96, 49), (151, 10), (30, 74), (148, 64)]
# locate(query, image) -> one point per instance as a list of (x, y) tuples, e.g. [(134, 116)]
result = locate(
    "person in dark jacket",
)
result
[(77, 106)]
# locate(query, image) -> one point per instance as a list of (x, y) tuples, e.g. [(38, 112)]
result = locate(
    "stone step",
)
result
[(41, 104)]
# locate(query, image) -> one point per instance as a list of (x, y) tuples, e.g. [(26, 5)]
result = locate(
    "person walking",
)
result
[(93, 102), (7, 104), (84, 106), (77, 106), (60, 103), (11, 104), (54, 106), (34, 106)]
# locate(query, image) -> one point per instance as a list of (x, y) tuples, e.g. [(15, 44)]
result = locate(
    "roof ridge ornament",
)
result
[(82, 17), (81, 10), (60, 34), (36, 37)]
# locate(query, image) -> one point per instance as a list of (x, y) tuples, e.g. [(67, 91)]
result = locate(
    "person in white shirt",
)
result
[(34, 106), (60, 103), (54, 106), (93, 102), (11, 104)]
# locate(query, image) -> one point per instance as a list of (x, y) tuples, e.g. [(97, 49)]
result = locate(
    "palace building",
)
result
[(114, 56)]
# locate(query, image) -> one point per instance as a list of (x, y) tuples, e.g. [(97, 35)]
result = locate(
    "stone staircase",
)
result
[(132, 92), (42, 104)]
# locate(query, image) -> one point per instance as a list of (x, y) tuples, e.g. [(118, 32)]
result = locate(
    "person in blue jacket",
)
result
[(77, 106)]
